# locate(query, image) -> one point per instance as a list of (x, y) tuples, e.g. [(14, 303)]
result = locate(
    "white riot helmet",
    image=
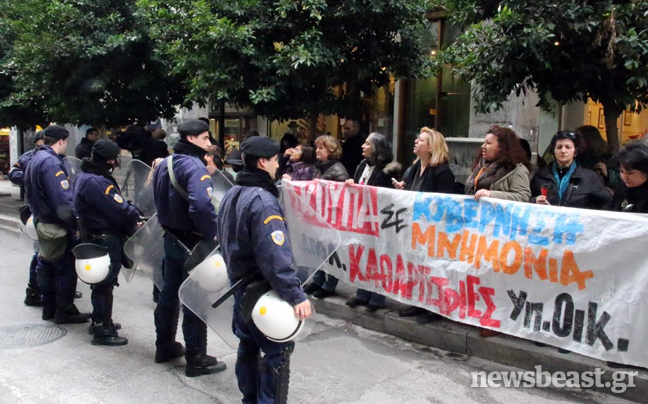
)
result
[(211, 273), (275, 318), (29, 228), (92, 262)]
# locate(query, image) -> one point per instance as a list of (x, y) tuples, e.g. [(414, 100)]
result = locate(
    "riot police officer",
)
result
[(106, 220), (50, 199), (252, 230), (16, 176), (182, 189)]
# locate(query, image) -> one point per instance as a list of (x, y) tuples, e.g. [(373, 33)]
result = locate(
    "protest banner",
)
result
[(572, 278)]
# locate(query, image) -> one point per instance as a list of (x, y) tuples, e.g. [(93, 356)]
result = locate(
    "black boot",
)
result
[(48, 312), (70, 315), (94, 326), (411, 311), (32, 297), (199, 364), (108, 336), (165, 353)]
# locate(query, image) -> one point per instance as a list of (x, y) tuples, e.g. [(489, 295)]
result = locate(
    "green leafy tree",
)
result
[(564, 50), (289, 59), (85, 62)]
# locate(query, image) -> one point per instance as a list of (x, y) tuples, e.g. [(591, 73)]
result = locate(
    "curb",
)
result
[(10, 223), (464, 339)]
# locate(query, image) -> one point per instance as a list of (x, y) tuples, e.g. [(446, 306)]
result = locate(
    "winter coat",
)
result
[(299, 171), (331, 170), (585, 190), (631, 199), (435, 179), (380, 177)]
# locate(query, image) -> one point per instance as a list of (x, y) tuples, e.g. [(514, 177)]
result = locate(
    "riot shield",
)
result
[(72, 166), (221, 184), (208, 293), (137, 186), (146, 249)]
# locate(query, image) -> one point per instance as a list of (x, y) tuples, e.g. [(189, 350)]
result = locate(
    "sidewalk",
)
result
[(9, 204), (455, 337)]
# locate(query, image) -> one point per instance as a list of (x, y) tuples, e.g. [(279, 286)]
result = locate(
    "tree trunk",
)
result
[(611, 116)]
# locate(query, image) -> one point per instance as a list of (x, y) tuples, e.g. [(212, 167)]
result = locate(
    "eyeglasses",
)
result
[(566, 133)]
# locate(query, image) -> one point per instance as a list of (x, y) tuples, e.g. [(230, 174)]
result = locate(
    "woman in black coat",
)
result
[(429, 173), (564, 182), (632, 194), (375, 170), (328, 151)]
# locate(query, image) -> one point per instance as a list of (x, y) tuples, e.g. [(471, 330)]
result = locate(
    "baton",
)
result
[(178, 242), (240, 284)]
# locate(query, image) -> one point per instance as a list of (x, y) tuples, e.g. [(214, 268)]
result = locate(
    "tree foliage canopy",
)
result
[(563, 50), (83, 61), (287, 58)]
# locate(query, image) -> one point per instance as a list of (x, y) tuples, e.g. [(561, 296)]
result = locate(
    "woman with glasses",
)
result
[(564, 182), (429, 173), (632, 194), (376, 170)]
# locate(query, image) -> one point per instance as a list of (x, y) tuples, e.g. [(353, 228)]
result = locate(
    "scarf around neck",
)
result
[(255, 177), (563, 183), (190, 149)]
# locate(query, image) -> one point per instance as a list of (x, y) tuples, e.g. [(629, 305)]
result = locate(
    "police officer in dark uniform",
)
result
[(187, 215), (252, 232), (16, 176), (106, 220), (50, 199)]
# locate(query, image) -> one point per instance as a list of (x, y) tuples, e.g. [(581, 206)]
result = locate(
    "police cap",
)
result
[(38, 136), (106, 149), (193, 127), (56, 132), (262, 147), (234, 158)]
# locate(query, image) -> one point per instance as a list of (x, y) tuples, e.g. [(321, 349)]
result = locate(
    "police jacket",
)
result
[(48, 189), (99, 204), (197, 215), (84, 149), (17, 172), (253, 235), (585, 189)]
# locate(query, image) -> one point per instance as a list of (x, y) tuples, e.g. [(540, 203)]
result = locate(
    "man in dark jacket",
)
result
[(252, 230), (16, 176), (107, 219), (352, 146), (50, 199), (187, 215), (84, 148)]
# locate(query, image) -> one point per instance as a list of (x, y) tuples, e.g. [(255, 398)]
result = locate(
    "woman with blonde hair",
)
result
[(429, 173), (328, 167)]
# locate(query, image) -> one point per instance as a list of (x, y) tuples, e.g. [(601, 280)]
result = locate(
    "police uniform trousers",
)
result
[(102, 292), (261, 380), (33, 273), (167, 311), (57, 279)]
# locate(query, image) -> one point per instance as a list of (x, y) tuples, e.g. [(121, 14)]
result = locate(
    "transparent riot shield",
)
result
[(146, 249), (221, 184), (208, 292), (72, 166), (137, 186)]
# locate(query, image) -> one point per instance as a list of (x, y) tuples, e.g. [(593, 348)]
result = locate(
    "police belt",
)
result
[(186, 240)]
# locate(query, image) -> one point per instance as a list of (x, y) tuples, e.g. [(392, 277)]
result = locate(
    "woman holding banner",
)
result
[(502, 170), (632, 194), (564, 182), (376, 170), (429, 173), (328, 151)]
